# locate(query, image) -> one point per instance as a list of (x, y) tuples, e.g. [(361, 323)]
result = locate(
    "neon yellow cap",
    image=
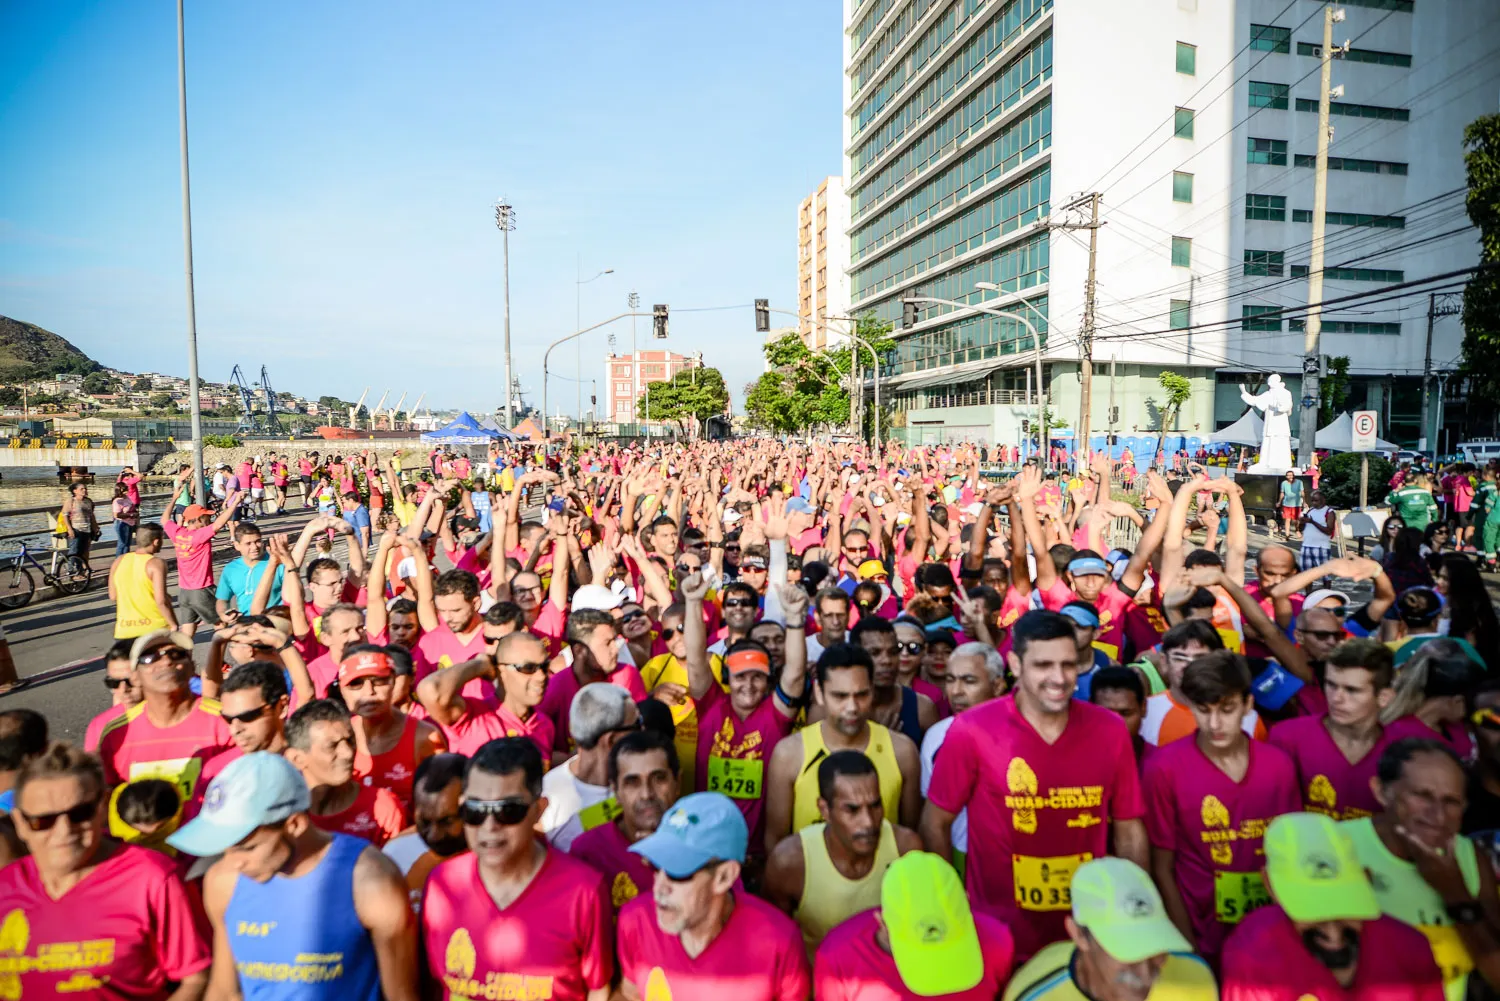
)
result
[(1116, 902), (932, 933), (1314, 872)]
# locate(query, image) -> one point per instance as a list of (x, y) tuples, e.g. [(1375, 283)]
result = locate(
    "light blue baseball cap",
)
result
[(252, 791), (702, 828)]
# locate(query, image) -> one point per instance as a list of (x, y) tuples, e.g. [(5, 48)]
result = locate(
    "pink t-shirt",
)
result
[(195, 549), (1254, 647), (1037, 811), (922, 686), (625, 873), (1328, 782), (851, 965), (757, 956), (1058, 595), (1215, 826), (483, 723), (96, 727), (553, 941), (551, 625), (442, 648), (132, 747), (127, 932), (722, 734), (563, 687)]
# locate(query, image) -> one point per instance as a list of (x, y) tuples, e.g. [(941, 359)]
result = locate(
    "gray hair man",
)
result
[(577, 790), (976, 673)]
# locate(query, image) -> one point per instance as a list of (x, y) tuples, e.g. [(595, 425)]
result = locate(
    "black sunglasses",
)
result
[(914, 647), (528, 668), (507, 812), (113, 683), (667, 632), (250, 715), (80, 814), (684, 569), (632, 616), (176, 653), (740, 603), (639, 724)]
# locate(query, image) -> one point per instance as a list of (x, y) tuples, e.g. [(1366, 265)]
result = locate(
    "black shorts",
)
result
[(306, 481), (1463, 519), (197, 605)]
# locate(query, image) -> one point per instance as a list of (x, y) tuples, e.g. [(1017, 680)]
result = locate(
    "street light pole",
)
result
[(547, 355), (633, 302), (195, 417), (578, 285), (505, 218)]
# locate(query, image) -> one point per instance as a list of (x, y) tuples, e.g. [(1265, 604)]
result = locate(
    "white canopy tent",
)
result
[(1248, 430), (1339, 437)]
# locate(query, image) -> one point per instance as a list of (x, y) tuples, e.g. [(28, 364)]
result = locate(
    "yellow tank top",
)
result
[(667, 669), (828, 896), (1405, 895), (135, 600), (878, 750)]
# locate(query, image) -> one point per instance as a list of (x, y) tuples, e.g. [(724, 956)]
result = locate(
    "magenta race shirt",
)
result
[(722, 735)]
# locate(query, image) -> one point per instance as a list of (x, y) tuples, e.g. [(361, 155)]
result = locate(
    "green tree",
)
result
[(162, 401), (691, 393), (1333, 390), (142, 384), (805, 389), (1178, 390), (1481, 317), (97, 382)]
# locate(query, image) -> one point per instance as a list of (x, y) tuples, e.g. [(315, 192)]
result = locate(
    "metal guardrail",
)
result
[(81, 441), (51, 511)]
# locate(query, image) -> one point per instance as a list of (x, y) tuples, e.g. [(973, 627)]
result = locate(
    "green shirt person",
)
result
[(1415, 505)]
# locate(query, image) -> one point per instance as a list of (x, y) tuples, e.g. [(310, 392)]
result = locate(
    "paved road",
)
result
[(73, 633)]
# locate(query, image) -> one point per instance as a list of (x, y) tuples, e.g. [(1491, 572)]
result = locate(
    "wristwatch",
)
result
[(1466, 912)]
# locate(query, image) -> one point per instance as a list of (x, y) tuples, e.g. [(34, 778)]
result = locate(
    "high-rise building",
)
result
[(969, 125), (627, 376), (822, 263)]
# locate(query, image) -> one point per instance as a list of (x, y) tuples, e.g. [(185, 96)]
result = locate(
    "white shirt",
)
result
[(566, 796), (405, 849), (931, 742), (815, 648), (1312, 535)]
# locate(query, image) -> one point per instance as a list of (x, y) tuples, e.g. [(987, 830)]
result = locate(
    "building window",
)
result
[(1352, 219), (1404, 6), (1182, 252), (1348, 327), (1270, 38), (1359, 55), (1268, 151), (1355, 164), (1182, 186), (1264, 263), (1181, 314), (1182, 123), (1187, 58), (1354, 274), (1254, 318), (1271, 208), (1356, 110), (1270, 95)]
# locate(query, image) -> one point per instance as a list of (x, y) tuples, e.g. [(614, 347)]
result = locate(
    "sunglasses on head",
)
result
[(249, 715), (176, 653), (528, 668), (80, 814), (507, 812), (740, 603), (913, 648)]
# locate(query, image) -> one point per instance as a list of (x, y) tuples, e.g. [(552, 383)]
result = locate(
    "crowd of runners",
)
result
[(756, 720)]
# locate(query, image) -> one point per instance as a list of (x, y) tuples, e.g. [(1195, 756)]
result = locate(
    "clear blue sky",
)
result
[(345, 158)]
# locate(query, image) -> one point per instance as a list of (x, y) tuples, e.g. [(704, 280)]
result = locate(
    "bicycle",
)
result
[(68, 573)]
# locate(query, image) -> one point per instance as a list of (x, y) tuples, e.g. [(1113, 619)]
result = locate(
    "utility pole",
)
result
[(633, 303), (1438, 304), (1307, 427), (199, 494), (505, 218), (1086, 330)]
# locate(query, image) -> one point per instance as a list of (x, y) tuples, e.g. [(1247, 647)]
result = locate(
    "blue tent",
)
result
[(465, 430)]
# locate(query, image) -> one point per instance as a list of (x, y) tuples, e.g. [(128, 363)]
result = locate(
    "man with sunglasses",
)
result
[(320, 742), (172, 733), (293, 904), (124, 691), (577, 791), (254, 703), (389, 743), (592, 655), (514, 912), (643, 781), (82, 912), (741, 603), (516, 664), (670, 940)]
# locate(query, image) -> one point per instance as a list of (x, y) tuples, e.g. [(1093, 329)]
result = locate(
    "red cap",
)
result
[(196, 511), (365, 664)]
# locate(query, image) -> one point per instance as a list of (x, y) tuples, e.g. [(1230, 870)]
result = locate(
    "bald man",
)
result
[(517, 666), (1273, 565)]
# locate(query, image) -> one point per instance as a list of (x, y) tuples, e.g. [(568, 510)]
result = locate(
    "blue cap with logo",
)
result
[(702, 828), (1086, 565), (252, 791)]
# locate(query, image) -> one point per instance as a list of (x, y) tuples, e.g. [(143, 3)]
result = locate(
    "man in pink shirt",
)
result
[(696, 935), (591, 655), (1040, 773), (1323, 935), (452, 628), (643, 777), (193, 542), (516, 664), (1208, 801)]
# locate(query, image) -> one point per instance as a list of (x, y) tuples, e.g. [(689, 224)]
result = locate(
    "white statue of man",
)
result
[(1276, 437)]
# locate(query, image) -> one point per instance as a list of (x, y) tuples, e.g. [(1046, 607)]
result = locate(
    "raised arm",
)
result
[(1151, 538), (1028, 486), (442, 692), (376, 616), (793, 684), (1171, 544), (700, 677), (1287, 653), (1236, 533)]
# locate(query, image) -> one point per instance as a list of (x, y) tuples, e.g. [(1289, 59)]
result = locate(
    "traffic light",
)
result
[(1114, 415), (1025, 426), (908, 314), (659, 321), (762, 315)]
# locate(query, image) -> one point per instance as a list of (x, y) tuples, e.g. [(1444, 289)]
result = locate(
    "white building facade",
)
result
[(969, 124), (823, 263)]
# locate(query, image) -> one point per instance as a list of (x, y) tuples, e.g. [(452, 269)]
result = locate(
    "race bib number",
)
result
[(1448, 951), (735, 777), (601, 812), (1237, 894), (1043, 884), (181, 772)]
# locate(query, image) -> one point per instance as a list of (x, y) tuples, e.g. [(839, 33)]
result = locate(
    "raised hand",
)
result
[(694, 587), (776, 526), (794, 602)]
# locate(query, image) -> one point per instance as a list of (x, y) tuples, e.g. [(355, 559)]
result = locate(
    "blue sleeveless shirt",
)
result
[(300, 939)]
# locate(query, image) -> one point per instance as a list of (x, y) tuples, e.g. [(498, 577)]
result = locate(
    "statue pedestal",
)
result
[(1262, 497)]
